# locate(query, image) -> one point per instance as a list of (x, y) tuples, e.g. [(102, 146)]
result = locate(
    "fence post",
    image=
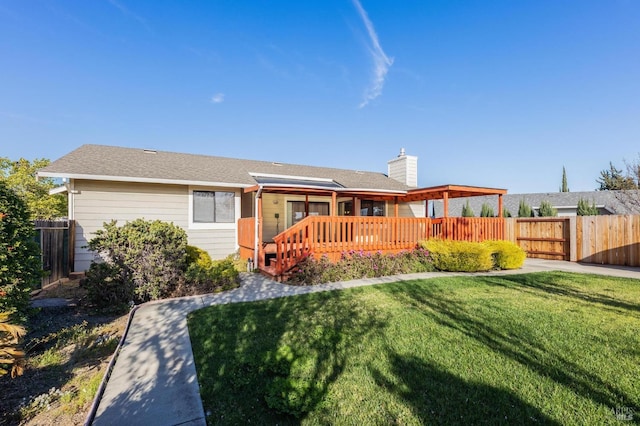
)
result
[(572, 232)]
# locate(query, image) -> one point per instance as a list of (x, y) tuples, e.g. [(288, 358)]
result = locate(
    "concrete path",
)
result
[(154, 378)]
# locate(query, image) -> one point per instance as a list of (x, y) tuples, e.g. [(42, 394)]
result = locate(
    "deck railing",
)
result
[(334, 235)]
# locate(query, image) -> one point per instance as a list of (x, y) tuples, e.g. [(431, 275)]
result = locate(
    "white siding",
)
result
[(97, 202)]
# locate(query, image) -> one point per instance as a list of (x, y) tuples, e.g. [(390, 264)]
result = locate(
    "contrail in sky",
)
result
[(381, 62)]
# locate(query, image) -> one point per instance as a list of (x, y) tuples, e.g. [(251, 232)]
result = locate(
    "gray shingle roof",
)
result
[(606, 199), (118, 163)]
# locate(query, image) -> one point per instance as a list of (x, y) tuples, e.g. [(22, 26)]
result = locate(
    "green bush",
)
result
[(524, 209), (219, 276), (459, 256), (586, 209), (467, 211), (487, 211), (147, 256), (198, 256), (108, 287), (546, 209), (20, 265), (506, 254)]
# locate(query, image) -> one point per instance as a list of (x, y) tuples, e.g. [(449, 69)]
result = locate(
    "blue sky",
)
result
[(488, 93)]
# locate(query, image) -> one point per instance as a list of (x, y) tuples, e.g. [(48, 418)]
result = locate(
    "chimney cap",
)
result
[(402, 152)]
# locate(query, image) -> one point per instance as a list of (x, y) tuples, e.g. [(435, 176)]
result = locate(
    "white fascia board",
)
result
[(390, 191), (58, 190), (143, 180), (269, 175)]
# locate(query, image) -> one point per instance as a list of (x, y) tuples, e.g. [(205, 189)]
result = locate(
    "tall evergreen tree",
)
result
[(525, 210), (487, 211), (565, 186), (586, 209), (466, 210), (546, 209)]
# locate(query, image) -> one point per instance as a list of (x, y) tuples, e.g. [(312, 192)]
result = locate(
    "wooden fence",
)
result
[(56, 241), (544, 238), (610, 240)]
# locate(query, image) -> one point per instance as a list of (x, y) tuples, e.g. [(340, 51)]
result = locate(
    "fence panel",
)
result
[(56, 241), (611, 240), (544, 238)]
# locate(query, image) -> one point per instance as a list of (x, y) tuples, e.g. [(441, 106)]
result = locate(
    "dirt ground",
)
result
[(68, 349)]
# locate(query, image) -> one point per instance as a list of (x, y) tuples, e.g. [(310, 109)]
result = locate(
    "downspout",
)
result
[(255, 230)]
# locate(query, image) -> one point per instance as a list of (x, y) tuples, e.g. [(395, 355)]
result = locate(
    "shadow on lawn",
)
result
[(252, 350), (437, 396), (547, 285), (530, 353)]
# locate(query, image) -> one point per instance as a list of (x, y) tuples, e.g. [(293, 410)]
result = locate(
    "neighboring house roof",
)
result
[(606, 201), (100, 162)]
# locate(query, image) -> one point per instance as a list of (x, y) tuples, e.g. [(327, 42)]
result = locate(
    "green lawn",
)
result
[(544, 348)]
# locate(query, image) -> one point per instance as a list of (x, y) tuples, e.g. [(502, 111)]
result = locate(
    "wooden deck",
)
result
[(332, 236)]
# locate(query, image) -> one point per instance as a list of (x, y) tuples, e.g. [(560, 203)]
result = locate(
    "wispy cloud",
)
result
[(218, 98), (128, 13), (381, 62)]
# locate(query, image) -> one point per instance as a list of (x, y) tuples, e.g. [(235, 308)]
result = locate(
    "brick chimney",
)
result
[(404, 168)]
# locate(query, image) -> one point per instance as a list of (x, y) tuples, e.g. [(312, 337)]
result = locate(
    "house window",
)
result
[(371, 208), (213, 207), (297, 210)]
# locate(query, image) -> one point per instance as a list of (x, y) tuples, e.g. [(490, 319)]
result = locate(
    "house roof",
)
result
[(604, 200), (100, 162)]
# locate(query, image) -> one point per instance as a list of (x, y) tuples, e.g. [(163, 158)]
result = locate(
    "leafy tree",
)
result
[(586, 209), (614, 179), (546, 209), (21, 177), (525, 210), (487, 211), (565, 186), (466, 210), (20, 265)]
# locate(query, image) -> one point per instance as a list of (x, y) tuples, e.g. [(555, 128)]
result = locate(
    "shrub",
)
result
[(459, 256), (108, 287), (219, 276), (586, 209), (467, 211), (20, 265), (148, 257), (487, 211), (198, 256), (358, 264), (546, 209), (506, 254), (506, 212), (524, 209)]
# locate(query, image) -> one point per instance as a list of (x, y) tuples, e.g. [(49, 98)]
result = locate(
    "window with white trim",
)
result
[(213, 207)]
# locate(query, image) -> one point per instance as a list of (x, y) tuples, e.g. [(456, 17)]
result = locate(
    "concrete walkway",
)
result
[(154, 378)]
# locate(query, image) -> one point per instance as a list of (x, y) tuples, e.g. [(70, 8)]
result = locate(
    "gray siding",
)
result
[(97, 202)]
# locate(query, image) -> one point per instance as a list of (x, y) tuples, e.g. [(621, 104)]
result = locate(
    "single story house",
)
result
[(227, 205)]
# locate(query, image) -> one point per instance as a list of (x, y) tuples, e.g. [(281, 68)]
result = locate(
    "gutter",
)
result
[(255, 230)]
